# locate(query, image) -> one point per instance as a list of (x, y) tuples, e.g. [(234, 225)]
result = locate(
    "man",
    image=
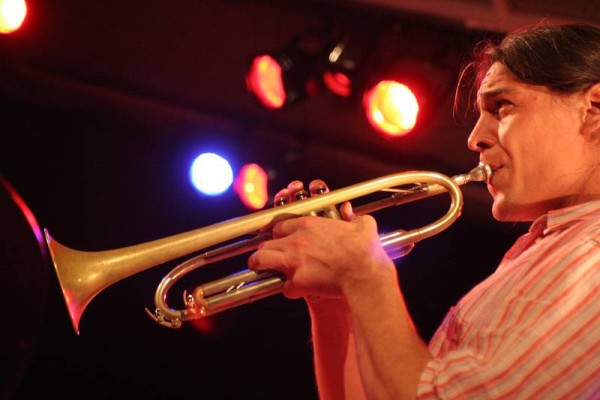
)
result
[(531, 329)]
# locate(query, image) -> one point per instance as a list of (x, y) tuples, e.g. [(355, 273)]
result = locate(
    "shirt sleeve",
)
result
[(544, 345)]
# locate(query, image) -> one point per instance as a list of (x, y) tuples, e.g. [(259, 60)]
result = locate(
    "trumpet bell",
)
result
[(78, 289)]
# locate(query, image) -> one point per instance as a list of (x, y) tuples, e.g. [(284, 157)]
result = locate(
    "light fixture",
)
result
[(12, 15), (400, 96), (211, 174), (283, 77), (378, 65), (251, 186), (391, 107), (346, 63)]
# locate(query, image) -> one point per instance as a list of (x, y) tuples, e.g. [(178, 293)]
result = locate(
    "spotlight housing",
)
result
[(283, 77), (346, 63)]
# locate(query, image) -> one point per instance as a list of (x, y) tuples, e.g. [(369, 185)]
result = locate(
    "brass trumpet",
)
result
[(82, 275)]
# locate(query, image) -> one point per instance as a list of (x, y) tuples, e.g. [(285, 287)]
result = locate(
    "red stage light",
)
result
[(338, 82), (264, 80), (251, 186), (12, 15), (391, 108)]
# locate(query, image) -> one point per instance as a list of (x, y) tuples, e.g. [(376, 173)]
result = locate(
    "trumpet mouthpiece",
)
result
[(481, 173)]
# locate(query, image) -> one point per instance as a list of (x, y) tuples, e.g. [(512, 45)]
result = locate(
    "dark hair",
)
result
[(565, 58)]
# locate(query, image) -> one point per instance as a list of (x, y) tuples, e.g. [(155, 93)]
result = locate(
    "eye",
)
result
[(499, 106)]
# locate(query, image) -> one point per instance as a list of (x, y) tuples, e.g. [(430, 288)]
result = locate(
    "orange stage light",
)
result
[(264, 80), (251, 186), (391, 108), (12, 15)]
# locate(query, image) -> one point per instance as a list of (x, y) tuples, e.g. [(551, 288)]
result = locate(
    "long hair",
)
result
[(565, 58)]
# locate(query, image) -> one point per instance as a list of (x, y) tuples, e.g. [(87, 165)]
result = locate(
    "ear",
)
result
[(591, 124)]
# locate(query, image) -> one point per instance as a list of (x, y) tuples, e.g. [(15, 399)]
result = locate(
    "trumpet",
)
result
[(82, 274)]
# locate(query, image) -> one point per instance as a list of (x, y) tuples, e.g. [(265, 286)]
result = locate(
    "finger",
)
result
[(297, 191), (347, 211), (282, 229), (272, 260), (286, 227), (281, 198), (317, 187), (266, 259)]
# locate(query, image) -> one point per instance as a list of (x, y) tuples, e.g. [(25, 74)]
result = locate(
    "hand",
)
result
[(321, 256)]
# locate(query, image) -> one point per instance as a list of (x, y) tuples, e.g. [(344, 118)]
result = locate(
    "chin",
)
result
[(501, 214), (510, 211), (499, 209)]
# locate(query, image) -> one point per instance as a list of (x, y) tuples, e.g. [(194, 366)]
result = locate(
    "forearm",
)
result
[(336, 367), (391, 355), (367, 348)]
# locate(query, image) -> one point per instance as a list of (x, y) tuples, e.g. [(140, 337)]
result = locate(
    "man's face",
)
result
[(531, 138)]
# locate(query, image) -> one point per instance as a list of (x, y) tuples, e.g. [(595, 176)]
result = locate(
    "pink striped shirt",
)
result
[(532, 329)]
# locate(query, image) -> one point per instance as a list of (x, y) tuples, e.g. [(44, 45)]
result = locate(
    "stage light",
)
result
[(346, 61), (391, 108), (280, 78), (211, 174), (12, 15), (402, 95), (397, 80), (251, 186), (265, 81), (338, 82)]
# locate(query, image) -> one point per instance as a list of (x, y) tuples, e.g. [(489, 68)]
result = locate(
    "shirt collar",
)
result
[(558, 219)]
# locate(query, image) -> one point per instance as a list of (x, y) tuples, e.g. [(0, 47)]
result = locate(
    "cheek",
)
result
[(525, 140)]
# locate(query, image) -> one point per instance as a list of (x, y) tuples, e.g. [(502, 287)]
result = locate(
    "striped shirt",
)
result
[(532, 329)]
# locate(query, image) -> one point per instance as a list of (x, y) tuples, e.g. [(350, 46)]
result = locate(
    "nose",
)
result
[(482, 137)]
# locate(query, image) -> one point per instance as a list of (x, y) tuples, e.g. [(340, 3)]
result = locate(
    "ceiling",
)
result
[(103, 103), (187, 61), (498, 15)]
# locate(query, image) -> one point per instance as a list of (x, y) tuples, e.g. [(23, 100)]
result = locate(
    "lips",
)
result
[(494, 166)]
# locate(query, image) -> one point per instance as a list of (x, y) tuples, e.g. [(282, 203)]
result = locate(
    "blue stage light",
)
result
[(211, 174)]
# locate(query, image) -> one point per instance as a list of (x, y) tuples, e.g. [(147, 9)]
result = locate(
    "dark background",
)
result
[(103, 106)]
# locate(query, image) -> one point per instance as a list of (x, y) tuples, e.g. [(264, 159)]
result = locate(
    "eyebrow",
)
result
[(493, 93), (483, 97)]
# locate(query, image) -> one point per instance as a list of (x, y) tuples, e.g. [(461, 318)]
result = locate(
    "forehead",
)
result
[(500, 80), (498, 76)]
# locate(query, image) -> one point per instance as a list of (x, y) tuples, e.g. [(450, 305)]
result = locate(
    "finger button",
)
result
[(281, 198), (297, 191), (317, 187), (300, 195), (282, 201)]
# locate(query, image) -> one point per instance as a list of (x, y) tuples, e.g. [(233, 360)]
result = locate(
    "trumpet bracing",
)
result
[(82, 275)]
